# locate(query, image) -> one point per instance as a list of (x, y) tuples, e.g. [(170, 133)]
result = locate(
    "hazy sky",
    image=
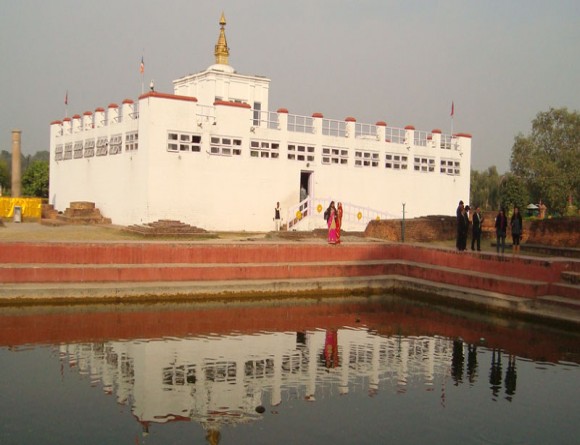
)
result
[(403, 62)]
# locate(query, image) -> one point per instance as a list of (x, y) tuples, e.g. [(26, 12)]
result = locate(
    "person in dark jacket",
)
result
[(500, 230), (462, 228), (516, 226), (460, 223), (476, 222)]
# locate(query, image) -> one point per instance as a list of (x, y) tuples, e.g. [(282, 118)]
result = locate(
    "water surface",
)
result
[(362, 371)]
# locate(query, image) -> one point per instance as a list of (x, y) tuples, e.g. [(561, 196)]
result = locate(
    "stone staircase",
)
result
[(157, 271)]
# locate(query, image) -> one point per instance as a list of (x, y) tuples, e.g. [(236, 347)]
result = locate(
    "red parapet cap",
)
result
[(231, 104), (319, 115), (128, 101), (66, 119), (282, 110), (113, 106), (87, 113), (56, 123), (349, 119), (76, 116), (167, 96), (430, 137), (381, 124), (99, 110), (409, 127), (436, 131), (463, 135)]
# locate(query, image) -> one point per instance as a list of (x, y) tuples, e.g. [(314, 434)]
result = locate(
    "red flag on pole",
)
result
[(452, 108), (142, 66), (66, 98)]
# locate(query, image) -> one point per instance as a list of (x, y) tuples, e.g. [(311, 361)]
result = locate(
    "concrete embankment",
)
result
[(87, 272)]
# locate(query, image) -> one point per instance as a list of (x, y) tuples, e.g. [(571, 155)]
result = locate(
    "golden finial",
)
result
[(222, 51)]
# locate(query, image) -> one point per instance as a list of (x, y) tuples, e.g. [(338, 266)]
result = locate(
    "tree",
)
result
[(485, 189), (35, 180), (548, 160), (5, 180), (513, 193)]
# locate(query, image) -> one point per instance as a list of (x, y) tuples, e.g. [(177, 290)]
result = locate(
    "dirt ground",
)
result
[(34, 231)]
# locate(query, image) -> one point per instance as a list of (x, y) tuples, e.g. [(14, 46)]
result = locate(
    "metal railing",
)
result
[(353, 215)]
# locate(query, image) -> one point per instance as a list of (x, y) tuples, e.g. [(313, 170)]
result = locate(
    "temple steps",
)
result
[(100, 270)]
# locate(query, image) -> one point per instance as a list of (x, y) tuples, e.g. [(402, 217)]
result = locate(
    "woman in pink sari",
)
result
[(331, 222), (338, 221)]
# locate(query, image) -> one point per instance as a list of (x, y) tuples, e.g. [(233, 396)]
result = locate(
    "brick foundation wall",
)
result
[(557, 232), (426, 229)]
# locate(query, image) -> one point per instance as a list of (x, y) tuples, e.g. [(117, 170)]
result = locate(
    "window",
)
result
[(264, 149), (89, 148), (334, 155), (424, 164), (58, 153), (78, 150), (257, 110), (132, 141), (102, 146), (116, 144), (301, 152), (183, 142), (225, 146), (396, 161), (450, 167), (68, 151), (366, 158)]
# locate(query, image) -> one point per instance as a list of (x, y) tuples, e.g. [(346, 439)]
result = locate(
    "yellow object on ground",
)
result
[(31, 207)]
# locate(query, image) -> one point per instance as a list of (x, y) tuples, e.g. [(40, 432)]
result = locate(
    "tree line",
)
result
[(544, 166)]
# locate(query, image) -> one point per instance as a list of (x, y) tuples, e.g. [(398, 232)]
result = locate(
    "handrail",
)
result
[(315, 207)]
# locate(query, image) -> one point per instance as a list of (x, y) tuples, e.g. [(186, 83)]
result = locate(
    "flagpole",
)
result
[(452, 115), (142, 71)]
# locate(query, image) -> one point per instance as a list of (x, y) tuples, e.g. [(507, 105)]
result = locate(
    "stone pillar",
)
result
[(16, 165)]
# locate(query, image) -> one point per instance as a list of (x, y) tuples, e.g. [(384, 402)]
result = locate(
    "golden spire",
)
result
[(222, 51)]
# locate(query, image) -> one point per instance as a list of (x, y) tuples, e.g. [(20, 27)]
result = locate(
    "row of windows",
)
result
[(104, 146), (227, 146), (268, 149)]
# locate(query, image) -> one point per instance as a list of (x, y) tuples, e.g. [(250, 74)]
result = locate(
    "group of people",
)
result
[(516, 226), (333, 217), (465, 217)]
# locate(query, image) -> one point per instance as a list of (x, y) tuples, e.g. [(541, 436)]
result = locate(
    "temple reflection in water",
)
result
[(229, 379)]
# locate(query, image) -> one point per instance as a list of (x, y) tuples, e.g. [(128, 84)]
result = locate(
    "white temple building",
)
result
[(213, 155)]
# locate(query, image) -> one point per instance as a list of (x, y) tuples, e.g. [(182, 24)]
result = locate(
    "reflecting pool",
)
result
[(356, 370)]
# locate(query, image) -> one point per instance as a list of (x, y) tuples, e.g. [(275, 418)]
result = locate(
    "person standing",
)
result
[(476, 222), (460, 224), (277, 217), (331, 222), (462, 227), (338, 221), (516, 226), (500, 230)]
